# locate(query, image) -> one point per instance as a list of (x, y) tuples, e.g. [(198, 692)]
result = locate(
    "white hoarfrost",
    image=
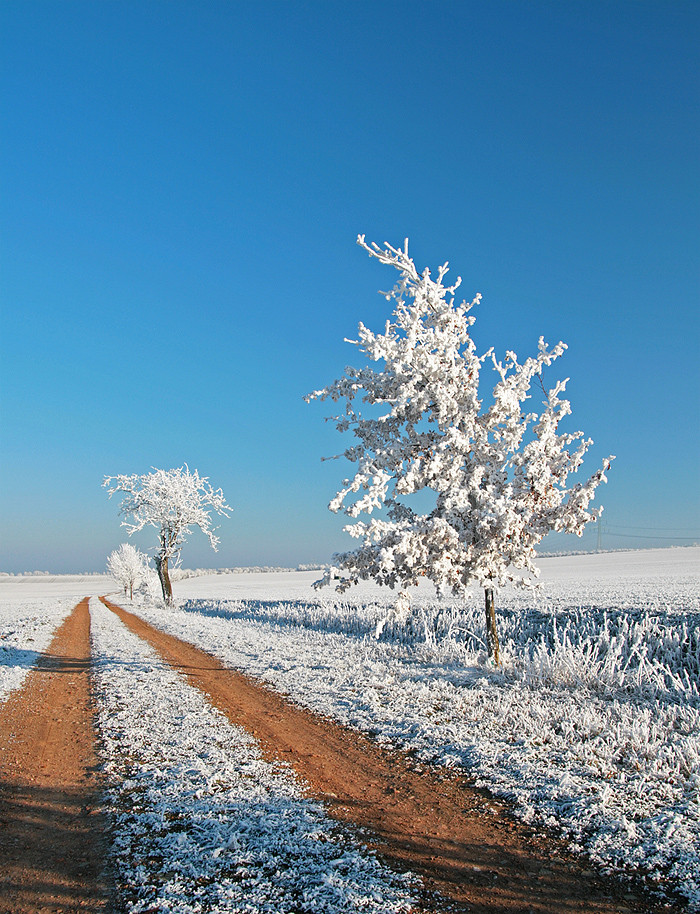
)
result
[(201, 822), (592, 726), (172, 501), (129, 567), (26, 629), (31, 609), (498, 475)]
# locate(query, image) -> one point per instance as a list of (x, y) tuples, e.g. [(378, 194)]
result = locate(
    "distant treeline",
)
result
[(180, 574)]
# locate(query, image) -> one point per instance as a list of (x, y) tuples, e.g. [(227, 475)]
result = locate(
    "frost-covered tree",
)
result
[(172, 501), (498, 473), (128, 566)]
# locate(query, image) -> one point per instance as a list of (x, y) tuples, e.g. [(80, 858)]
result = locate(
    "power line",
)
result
[(637, 536), (632, 527)]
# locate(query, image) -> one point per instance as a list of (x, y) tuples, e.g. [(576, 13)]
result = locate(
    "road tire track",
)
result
[(52, 833)]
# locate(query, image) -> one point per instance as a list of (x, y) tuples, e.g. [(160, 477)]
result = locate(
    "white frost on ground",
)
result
[(15, 588), (593, 726), (201, 822), (31, 609), (26, 629)]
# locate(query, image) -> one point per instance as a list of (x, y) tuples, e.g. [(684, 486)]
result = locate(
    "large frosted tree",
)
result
[(172, 501), (498, 474)]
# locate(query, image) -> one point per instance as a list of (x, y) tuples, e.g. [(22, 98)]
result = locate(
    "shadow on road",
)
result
[(51, 858)]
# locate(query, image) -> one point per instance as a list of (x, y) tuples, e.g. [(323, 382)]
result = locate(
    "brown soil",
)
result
[(466, 846), (51, 832)]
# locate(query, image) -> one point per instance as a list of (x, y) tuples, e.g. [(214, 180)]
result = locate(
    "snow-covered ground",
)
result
[(53, 586), (31, 609), (26, 628), (592, 726), (200, 820)]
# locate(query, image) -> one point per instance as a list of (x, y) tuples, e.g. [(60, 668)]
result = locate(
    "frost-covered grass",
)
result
[(26, 629), (592, 726), (31, 609), (201, 822)]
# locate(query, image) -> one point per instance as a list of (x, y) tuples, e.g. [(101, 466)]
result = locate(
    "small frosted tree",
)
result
[(172, 501), (498, 474), (128, 567)]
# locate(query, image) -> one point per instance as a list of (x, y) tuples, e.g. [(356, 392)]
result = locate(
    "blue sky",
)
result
[(182, 187)]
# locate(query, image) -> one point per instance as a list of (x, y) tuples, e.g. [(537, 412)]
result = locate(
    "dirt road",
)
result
[(52, 844), (464, 844), (473, 856)]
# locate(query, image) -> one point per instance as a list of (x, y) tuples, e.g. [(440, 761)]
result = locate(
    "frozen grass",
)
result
[(31, 609), (638, 651), (26, 629), (202, 824), (592, 725)]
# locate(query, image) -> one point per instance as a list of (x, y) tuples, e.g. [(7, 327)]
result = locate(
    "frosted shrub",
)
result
[(399, 613), (605, 651), (129, 568), (650, 655)]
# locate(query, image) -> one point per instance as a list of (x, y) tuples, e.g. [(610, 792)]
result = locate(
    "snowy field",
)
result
[(52, 586), (31, 609), (592, 726)]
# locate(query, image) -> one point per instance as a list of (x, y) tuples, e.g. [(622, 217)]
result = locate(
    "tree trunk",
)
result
[(166, 586), (491, 630)]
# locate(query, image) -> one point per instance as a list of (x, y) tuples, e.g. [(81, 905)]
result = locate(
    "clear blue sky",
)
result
[(182, 186)]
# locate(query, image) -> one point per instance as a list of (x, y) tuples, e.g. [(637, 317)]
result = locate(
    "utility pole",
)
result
[(599, 544)]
